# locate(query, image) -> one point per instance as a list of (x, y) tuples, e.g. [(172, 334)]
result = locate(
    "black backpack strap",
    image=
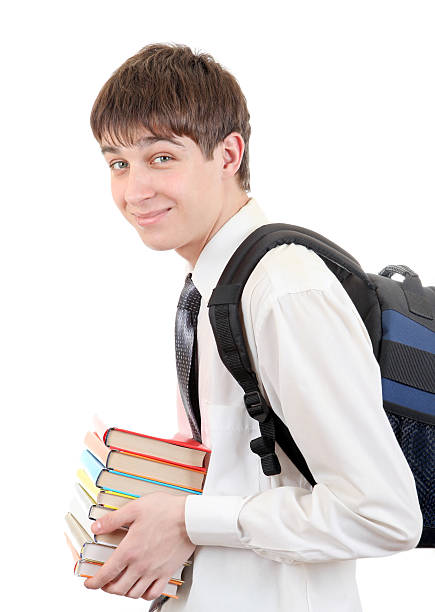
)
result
[(224, 314)]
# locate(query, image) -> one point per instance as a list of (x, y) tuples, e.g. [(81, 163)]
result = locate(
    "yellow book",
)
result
[(87, 484), (113, 500)]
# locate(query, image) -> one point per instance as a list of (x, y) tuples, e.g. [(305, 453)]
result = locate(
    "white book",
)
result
[(75, 532), (79, 506)]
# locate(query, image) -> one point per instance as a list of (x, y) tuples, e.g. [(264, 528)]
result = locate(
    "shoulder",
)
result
[(289, 268), (293, 276), (286, 269)]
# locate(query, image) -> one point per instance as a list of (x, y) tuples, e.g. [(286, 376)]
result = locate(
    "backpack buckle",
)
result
[(264, 447), (256, 406), (271, 465)]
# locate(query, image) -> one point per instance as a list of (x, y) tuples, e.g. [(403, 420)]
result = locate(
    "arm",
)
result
[(155, 546), (317, 367)]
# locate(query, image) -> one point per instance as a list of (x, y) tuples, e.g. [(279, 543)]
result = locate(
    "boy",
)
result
[(174, 129)]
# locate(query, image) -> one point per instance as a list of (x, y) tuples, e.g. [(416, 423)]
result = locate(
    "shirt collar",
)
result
[(218, 251)]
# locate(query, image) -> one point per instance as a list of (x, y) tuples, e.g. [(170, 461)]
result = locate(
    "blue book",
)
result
[(127, 484), (91, 464)]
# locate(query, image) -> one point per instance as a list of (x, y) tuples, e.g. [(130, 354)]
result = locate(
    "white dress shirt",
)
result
[(275, 543)]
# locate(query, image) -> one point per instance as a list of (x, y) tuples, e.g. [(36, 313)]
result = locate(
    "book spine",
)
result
[(106, 435), (91, 464)]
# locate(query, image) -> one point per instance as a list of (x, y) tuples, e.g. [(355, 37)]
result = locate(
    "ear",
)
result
[(233, 147)]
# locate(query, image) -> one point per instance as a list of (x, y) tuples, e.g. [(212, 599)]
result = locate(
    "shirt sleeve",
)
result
[(316, 364)]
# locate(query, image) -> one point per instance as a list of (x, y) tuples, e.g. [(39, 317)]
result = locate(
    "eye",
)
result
[(163, 156), (113, 165)]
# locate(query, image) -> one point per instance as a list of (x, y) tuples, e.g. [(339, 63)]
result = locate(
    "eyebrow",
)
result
[(143, 142)]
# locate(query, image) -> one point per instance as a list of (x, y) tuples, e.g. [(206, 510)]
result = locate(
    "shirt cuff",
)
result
[(211, 520)]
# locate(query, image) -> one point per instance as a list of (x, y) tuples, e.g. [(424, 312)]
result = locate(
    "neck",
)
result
[(231, 208)]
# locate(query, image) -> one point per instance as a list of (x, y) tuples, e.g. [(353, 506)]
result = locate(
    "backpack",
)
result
[(399, 317)]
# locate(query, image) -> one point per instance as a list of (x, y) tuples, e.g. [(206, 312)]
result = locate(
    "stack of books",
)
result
[(116, 467)]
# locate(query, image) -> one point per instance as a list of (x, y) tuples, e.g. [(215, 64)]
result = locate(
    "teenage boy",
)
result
[(174, 129)]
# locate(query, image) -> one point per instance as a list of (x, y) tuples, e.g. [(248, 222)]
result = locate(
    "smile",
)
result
[(142, 221)]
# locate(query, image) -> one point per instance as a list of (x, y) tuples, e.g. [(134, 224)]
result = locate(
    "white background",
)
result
[(341, 97)]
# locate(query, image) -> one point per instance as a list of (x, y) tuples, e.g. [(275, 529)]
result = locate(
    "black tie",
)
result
[(186, 353)]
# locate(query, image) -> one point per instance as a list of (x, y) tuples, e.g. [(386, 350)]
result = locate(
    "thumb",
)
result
[(115, 519)]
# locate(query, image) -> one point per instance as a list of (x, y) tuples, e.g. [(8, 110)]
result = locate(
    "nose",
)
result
[(139, 186)]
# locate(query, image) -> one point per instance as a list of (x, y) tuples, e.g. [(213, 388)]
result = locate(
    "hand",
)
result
[(154, 547)]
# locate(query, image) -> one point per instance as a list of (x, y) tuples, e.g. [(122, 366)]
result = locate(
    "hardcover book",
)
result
[(136, 486), (178, 449), (118, 466)]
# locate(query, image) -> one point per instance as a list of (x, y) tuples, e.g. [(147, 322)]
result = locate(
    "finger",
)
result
[(109, 571), (124, 582), (139, 588), (116, 519), (155, 589), (122, 557)]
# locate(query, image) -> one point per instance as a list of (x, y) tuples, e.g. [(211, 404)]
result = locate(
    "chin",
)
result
[(157, 246)]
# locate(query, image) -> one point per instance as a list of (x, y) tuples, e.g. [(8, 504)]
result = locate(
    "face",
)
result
[(175, 180)]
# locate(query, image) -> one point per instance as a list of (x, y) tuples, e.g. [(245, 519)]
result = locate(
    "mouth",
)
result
[(152, 217)]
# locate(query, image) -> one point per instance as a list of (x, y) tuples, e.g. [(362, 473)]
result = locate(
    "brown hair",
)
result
[(170, 90)]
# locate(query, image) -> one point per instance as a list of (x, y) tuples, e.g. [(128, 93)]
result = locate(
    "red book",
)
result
[(178, 450)]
